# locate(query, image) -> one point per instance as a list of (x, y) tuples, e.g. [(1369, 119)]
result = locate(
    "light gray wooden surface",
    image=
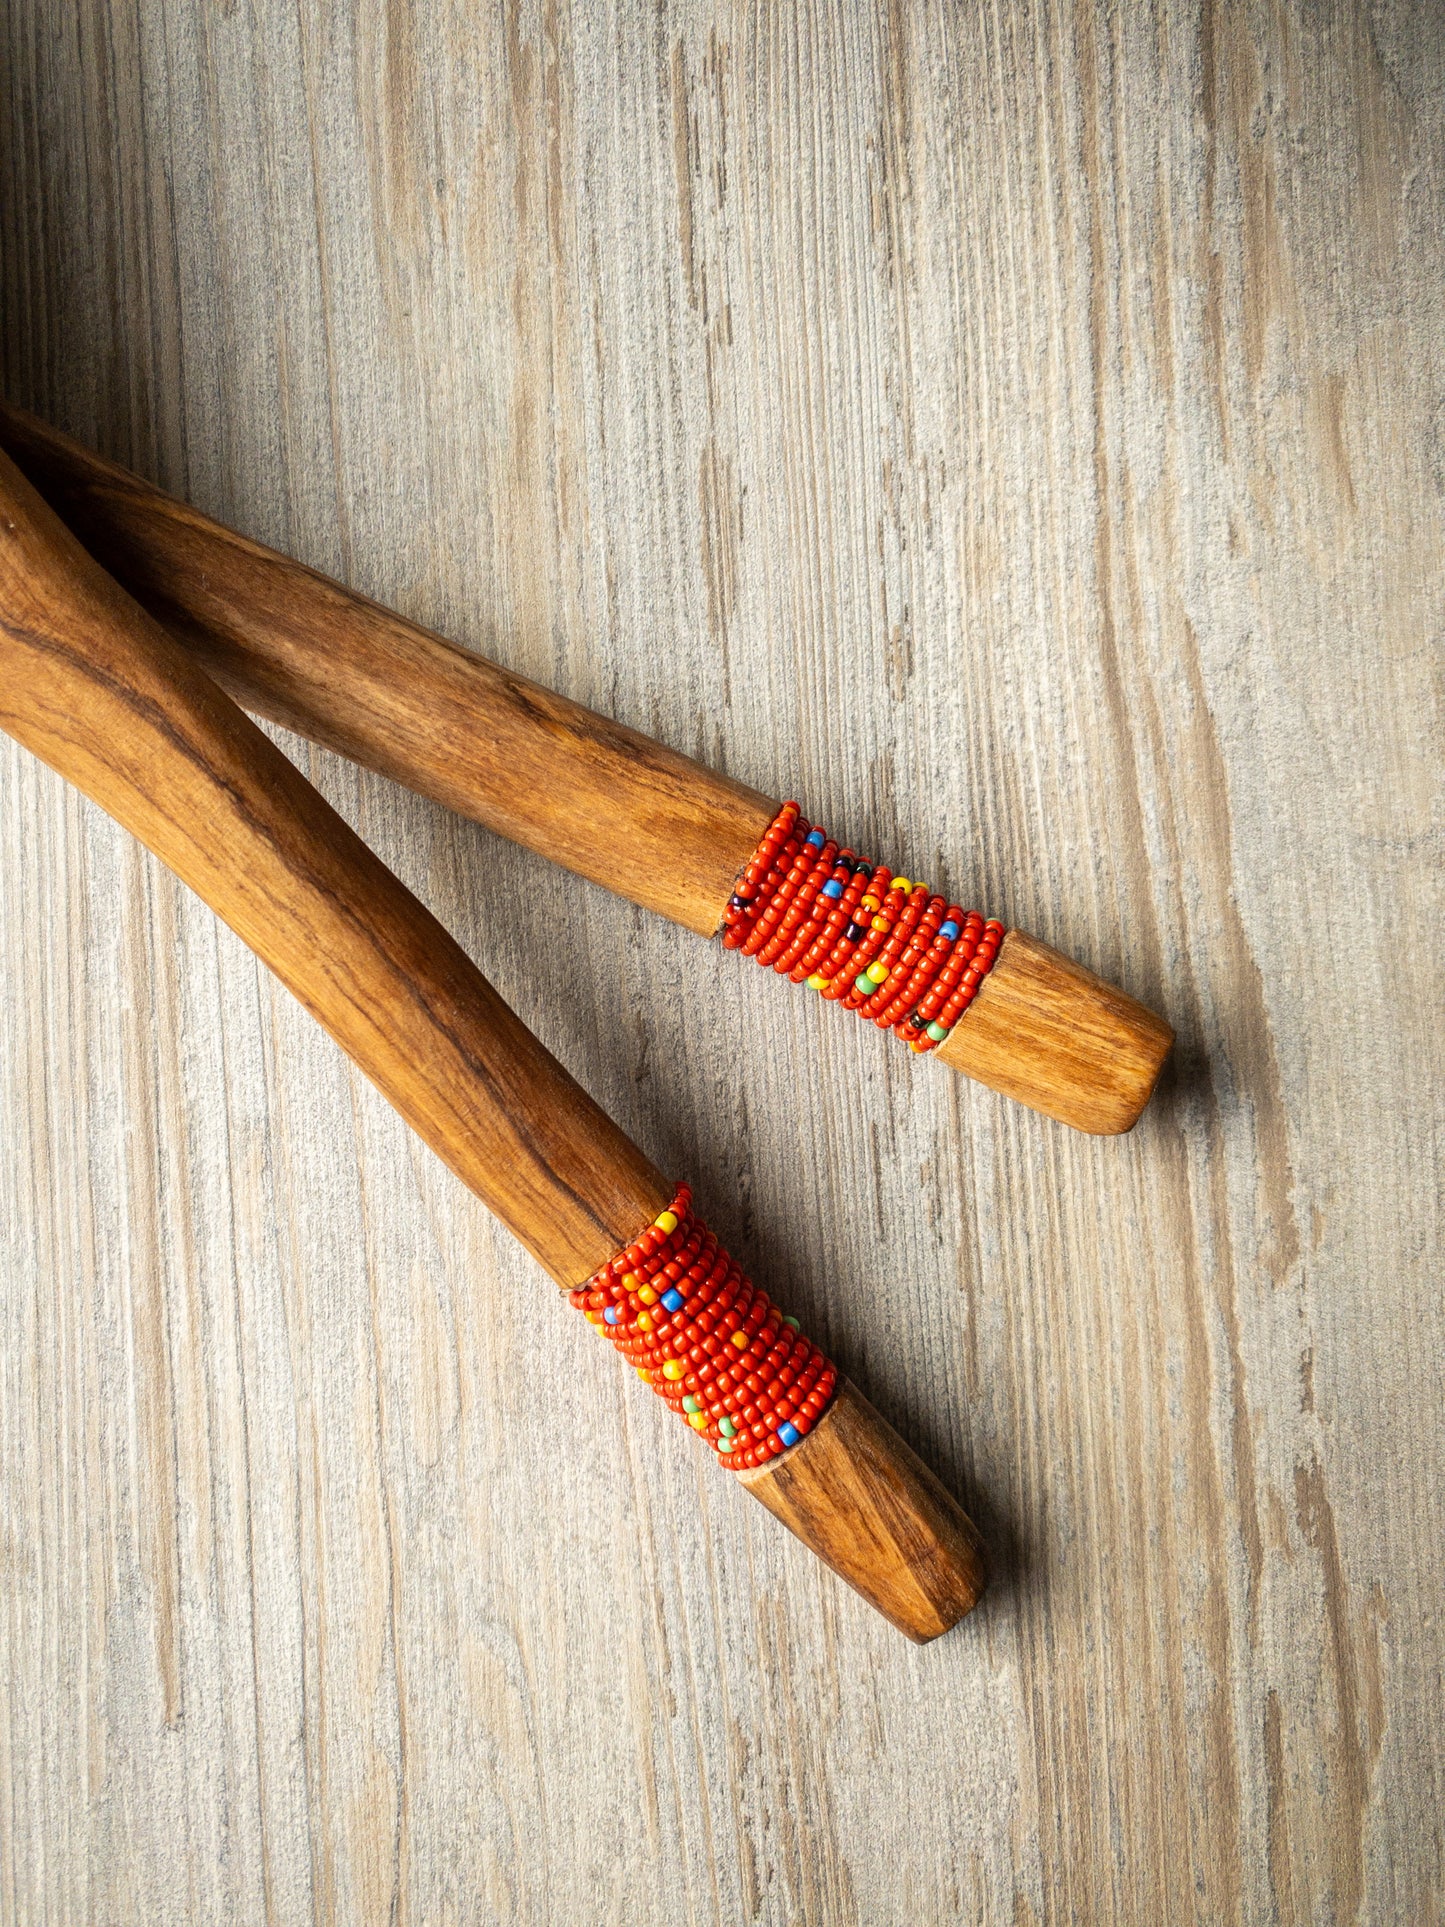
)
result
[(1019, 433)]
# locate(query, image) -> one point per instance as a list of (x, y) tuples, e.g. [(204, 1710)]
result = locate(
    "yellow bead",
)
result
[(644, 1321), (647, 1295), (815, 982), (741, 1340), (901, 883), (594, 1318), (882, 923), (666, 1222), (674, 1368), (870, 903), (629, 1281), (698, 1421), (876, 972)]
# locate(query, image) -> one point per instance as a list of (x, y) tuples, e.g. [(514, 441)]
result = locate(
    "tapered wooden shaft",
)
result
[(1053, 1035), (293, 646), (601, 799), (94, 687), (897, 1502)]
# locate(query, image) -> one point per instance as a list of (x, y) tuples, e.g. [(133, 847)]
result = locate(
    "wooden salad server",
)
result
[(601, 799), (97, 690)]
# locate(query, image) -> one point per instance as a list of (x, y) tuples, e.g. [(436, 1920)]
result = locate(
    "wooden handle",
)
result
[(93, 687), (1053, 1035), (293, 646), (601, 799), (943, 1575)]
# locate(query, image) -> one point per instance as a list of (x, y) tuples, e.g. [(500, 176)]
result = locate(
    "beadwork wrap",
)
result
[(876, 943), (708, 1341)]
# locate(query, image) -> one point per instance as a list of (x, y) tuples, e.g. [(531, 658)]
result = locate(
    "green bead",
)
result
[(727, 1427), (863, 981), (725, 1445), (691, 1404), (794, 1323), (937, 1033)]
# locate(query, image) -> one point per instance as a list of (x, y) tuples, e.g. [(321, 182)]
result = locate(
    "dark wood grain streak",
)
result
[(942, 1578), (96, 689)]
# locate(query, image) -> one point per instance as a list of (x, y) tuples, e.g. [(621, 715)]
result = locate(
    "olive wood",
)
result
[(943, 1576), (601, 799), (292, 645), (97, 690), (1053, 1035)]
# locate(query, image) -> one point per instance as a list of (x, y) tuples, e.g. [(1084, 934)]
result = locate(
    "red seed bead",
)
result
[(753, 1381)]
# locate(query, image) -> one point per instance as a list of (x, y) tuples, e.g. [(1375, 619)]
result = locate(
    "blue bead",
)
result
[(672, 1298), (789, 1434), (949, 929), (817, 839), (833, 890), (613, 1314)]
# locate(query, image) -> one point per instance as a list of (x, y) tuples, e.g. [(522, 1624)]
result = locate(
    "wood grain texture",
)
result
[(302, 650), (818, 1491), (96, 690), (611, 804), (99, 692), (1024, 425), (1056, 1037)]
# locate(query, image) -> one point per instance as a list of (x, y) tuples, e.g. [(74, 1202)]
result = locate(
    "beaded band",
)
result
[(706, 1340), (873, 942)]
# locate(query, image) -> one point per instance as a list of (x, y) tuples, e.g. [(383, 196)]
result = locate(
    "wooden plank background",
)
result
[(1019, 432)]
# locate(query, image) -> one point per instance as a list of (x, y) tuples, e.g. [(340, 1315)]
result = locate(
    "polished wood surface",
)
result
[(293, 646), (1056, 1037), (1020, 426), (95, 689), (817, 1493), (605, 801)]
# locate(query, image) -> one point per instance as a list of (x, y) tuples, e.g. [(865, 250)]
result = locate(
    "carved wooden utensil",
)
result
[(599, 798), (94, 688)]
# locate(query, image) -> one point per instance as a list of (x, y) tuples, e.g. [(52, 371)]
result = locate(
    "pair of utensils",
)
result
[(132, 629)]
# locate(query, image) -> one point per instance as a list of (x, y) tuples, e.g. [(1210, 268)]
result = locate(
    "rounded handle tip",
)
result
[(869, 1507), (1051, 1034)]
